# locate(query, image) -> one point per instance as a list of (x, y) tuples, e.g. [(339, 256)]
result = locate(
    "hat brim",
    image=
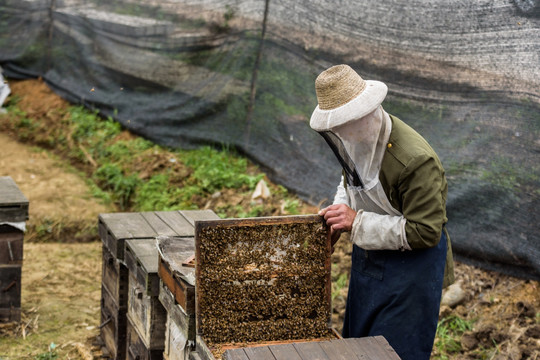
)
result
[(368, 100)]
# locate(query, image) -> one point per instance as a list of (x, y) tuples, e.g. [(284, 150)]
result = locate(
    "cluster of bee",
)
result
[(263, 282)]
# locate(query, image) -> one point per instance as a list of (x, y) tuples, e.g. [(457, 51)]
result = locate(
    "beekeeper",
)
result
[(392, 200)]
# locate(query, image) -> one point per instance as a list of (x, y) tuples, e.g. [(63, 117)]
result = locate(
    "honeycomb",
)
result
[(263, 279)]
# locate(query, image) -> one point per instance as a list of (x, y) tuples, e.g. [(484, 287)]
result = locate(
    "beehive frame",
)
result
[(262, 279)]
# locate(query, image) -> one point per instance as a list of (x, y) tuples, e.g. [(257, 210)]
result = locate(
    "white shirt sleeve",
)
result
[(371, 231), (341, 196)]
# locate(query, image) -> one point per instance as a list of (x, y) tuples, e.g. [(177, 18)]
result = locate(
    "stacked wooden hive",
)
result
[(13, 215), (136, 305), (151, 308)]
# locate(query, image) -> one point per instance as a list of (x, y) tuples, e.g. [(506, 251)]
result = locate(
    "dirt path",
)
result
[(57, 193), (61, 282)]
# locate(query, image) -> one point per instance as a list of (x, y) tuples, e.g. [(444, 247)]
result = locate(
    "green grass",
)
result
[(138, 175), (339, 283), (449, 332), (214, 170), (122, 186), (51, 353)]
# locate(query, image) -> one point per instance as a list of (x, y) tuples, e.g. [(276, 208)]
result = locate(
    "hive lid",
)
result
[(173, 254), (13, 203), (115, 228)]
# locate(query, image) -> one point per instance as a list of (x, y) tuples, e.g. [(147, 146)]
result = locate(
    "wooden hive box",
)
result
[(113, 326), (146, 315), (136, 347), (10, 296), (114, 290), (179, 328), (13, 210), (114, 230), (114, 278), (177, 288), (11, 258), (11, 245), (261, 280)]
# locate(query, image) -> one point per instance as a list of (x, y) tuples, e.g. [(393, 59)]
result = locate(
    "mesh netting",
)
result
[(241, 73)]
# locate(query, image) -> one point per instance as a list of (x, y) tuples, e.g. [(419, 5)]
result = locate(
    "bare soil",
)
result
[(61, 281)]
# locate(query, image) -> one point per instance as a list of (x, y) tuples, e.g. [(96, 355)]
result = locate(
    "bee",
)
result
[(263, 282)]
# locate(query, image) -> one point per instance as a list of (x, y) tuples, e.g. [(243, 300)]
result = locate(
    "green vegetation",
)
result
[(49, 355), (340, 281), (449, 332), (216, 170), (137, 175), (292, 206)]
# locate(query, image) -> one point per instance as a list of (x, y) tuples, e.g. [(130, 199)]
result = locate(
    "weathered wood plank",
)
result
[(259, 353), (13, 203), (10, 314), (180, 280), (183, 292), (373, 346), (195, 215), (141, 257), (158, 224), (392, 355), (114, 277), (136, 348), (123, 226), (370, 348), (11, 245), (146, 252), (10, 286), (113, 325), (194, 355), (174, 252), (176, 342), (10, 192), (128, 225), (285, 352), (176, 314), (310, 351), (236, 354), (130, 259), (339, 350), (202, 349), (178, 223), (147, 315)]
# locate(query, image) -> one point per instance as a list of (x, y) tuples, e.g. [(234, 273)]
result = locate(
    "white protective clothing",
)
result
[(377, 226)]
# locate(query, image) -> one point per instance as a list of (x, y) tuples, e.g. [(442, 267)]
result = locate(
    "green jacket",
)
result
[(414, 182)]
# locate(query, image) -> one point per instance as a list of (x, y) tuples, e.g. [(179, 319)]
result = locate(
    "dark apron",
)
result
[(396, 294)]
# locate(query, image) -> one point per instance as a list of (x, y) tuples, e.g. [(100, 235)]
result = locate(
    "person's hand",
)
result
[(339, 218)]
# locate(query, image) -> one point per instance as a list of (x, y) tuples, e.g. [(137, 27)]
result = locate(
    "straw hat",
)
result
[(344, 96)]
